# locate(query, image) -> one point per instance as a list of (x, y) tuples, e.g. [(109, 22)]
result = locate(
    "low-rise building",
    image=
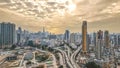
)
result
[(11, 57)]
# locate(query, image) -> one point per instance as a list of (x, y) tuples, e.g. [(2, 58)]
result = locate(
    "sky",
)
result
[(58, 15)]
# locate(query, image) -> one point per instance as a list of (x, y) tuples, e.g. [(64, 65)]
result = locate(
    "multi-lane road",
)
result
[(54, 59), (62, 61), (69, 57), (22, 60), (73, 57), (66, 58)]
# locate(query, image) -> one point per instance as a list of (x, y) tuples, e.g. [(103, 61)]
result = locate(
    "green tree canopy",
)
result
[(13, 47), (30, 43), (92, 65)]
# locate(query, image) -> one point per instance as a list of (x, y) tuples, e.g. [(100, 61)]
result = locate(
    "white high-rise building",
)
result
[(19, 36), (72, 38)]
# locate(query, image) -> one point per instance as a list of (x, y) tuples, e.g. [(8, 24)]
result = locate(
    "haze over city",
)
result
[(59, 34), (59, 15)]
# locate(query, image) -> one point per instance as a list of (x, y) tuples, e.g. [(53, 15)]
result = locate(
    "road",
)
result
[(62, 61), (68, 50), (3, 59), (73, 57), (34, 60), (118, 66), (70, 59), (54, 59), (66, 58), (21, 62)]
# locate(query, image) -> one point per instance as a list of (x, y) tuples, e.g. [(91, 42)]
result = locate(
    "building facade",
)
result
[(19, 36), (72, 38), (7, 34), (99, 44), (67, 36), (84, 37)]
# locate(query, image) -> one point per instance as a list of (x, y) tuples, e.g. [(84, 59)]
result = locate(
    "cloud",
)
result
[(4, 1), (59, 15)]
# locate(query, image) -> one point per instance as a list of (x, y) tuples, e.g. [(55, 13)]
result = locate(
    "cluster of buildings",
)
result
[(9, 36), (100, 47)]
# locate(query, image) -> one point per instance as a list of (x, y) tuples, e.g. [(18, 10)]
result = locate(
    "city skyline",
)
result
[(22, 49), (57, 15), (59, 34)]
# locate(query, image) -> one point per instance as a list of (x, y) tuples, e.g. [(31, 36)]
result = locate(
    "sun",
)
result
[(71, 7)]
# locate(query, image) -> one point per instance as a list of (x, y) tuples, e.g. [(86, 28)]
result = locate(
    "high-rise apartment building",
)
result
[(19, 36), (119, 40), (99, 44), (72, 38), (106, 39), (94, 39), (67, 36), (7, 34)]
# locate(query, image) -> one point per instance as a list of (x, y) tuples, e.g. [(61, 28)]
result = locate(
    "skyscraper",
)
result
[(7, 34), (72, 38), (67, 36), (119, 40), (94, 39), (115, 40), (84, 36), (106, 39), (19, 36), (99, 44)]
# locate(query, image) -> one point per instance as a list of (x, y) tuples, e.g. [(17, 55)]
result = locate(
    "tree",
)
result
[(50, 49), (92, 65), (44, 47), (29, 63), (30, 43), (41, 57), (39, 46), (5, 48), (41, 66), (13, 47), (61, 44), (61, 66)]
